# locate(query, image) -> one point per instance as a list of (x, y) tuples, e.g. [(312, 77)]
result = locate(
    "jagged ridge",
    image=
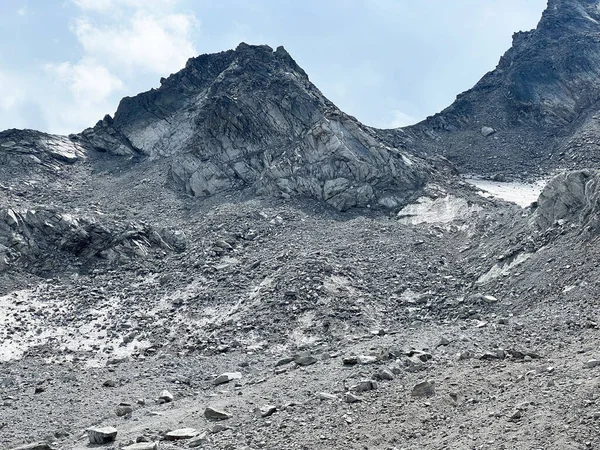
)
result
[(251, 118)]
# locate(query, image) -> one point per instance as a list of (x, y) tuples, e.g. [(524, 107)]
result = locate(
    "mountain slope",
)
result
[(541, 101), (251, 118)]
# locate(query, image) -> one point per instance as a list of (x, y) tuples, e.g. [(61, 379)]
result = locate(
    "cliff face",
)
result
[(539, 100), (250, 118)]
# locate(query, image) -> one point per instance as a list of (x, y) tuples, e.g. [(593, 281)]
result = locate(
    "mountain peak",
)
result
[(572, 16), (543, 89), (250, 118)]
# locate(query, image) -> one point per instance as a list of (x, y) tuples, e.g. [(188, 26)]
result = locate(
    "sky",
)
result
[(64, 64)]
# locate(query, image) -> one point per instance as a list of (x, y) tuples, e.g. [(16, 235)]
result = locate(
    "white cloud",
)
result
[(11, 92), (159, 44), (91, 87), (87, 80), (22, 11), (400, 119)]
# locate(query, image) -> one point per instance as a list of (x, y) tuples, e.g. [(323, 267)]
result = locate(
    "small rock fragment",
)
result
[(326, 396), (102, 435), (349, 397), (423, 389), (266, 411), (305, 360), (364, 386), (182, 433), (214, 414), (166, 396), (227, 377), (123, 409), (385, 374), (592, 363), (34, 446), (201, 439), (487, 131), (142, 446)]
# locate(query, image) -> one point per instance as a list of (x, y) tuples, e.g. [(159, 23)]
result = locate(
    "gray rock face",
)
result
[(571, 197), (37, 147), (544, 88), (102, 435), (250, 118), (33, 234)]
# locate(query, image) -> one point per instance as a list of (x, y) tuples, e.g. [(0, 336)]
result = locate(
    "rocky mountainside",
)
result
[(250, 118), (231, 262), (537, 111)]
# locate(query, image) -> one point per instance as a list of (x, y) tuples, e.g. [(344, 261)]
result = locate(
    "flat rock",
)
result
[(215, 414), (227, 377), (142, 446), (305, 360), (182, 433), (34, 446), (102, 435), (326, 396)]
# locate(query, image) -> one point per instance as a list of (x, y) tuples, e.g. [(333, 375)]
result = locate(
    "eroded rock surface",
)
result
[(250, 117)]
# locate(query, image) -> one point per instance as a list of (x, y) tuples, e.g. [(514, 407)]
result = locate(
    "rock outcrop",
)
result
[(571, 198), (250, 118), (30, 151), (540, 99), (36, 236)]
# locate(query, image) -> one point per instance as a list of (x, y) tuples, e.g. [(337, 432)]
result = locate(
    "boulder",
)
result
[(102, 435)]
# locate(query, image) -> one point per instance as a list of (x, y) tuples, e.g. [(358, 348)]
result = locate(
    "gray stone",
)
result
[(423, 389), (34, 446), (227, 377), (305, 360), (487, 131), (326, 396), (265, 411), (364, 386), (592, 363), (385, 374), (215, 414), (123, 410), (101, 435), (349, 397), (166, 396), (142, 446), (201, 439), (180, 434)]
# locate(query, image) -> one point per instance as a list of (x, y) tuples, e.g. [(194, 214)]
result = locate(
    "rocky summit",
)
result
[(535, 112), (231, 262)]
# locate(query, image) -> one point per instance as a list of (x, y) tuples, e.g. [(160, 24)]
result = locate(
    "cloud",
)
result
[(400, 119), (121, 43), (87, 80), (22, 11), (159, 44), (11, 92), (90, 86)]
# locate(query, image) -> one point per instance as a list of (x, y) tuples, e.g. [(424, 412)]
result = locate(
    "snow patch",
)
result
[(439, 210), (523, 194)]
